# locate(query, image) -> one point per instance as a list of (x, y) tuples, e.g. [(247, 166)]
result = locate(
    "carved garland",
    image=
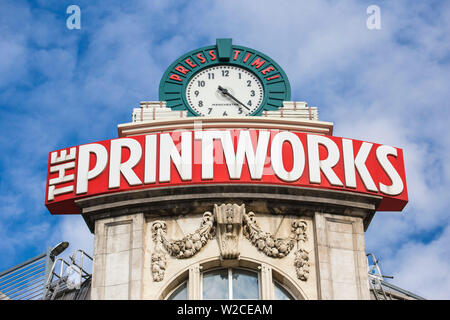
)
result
[(181, 249), (226, 216), (279, 247)]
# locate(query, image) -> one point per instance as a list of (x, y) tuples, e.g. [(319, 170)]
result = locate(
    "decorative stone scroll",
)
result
[(231, 220)]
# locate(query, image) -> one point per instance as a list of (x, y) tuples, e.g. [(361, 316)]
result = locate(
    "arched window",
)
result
[(233, 283), (281, 293), (180, 293), (230, 284)]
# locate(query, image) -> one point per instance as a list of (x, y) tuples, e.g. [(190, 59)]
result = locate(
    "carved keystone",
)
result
[(229, 226)]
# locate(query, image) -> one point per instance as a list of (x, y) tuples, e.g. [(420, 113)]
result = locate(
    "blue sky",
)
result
[(61, 87)]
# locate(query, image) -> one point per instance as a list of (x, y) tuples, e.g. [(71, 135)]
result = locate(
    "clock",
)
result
[(224, 90), (224, 80)]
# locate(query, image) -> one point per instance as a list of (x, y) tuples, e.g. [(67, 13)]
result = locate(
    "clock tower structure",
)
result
[(227, 189)]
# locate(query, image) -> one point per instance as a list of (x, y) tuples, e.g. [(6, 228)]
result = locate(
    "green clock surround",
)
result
[(175, 80)]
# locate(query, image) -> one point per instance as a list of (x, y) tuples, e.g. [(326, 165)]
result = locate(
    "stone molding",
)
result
[(200, 198), (150, 111), (196, 123)]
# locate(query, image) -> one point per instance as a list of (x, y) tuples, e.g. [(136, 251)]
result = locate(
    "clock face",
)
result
[(224, 90)]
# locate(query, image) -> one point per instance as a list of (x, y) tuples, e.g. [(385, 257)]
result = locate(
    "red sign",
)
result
[(225, 156)]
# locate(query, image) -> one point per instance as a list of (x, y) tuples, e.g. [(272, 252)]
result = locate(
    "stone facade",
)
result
[(310, 241)]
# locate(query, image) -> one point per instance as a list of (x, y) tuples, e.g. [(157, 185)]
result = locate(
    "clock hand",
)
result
[(225, 92)]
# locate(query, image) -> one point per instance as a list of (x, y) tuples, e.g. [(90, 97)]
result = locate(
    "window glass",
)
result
[(281, 293), (180, 293), (224, 284), (215, 284), (245, 284)]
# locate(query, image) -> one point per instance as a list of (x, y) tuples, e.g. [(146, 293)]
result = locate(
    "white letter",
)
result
[(54, 159), (326, 165), (73, 21), (168, 152), (245, 149), (150, 159), (61, 169), (298, 155), (373, 21), (83, 172), (359, 162), (207, 138), (397, 184), (126, 168), (52, 191)]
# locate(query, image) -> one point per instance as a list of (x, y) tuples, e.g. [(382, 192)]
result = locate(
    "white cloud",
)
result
[(423, 268), (73, 229)]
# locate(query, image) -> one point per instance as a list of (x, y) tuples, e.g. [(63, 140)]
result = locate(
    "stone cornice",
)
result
[(200, 123)]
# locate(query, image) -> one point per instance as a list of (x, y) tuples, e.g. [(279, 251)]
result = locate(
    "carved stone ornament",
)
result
[(301, 264), (279, 247), (231, 219), (264, 241), (159, 262), (229, 223), (181, 249)]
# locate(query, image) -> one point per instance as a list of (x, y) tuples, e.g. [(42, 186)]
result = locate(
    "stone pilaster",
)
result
[(341, 262), (266, 282), (118, 258), (194, 287)]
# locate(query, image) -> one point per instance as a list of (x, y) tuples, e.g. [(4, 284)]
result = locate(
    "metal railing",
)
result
[(26, 280), (376, 279), (67, 275)]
